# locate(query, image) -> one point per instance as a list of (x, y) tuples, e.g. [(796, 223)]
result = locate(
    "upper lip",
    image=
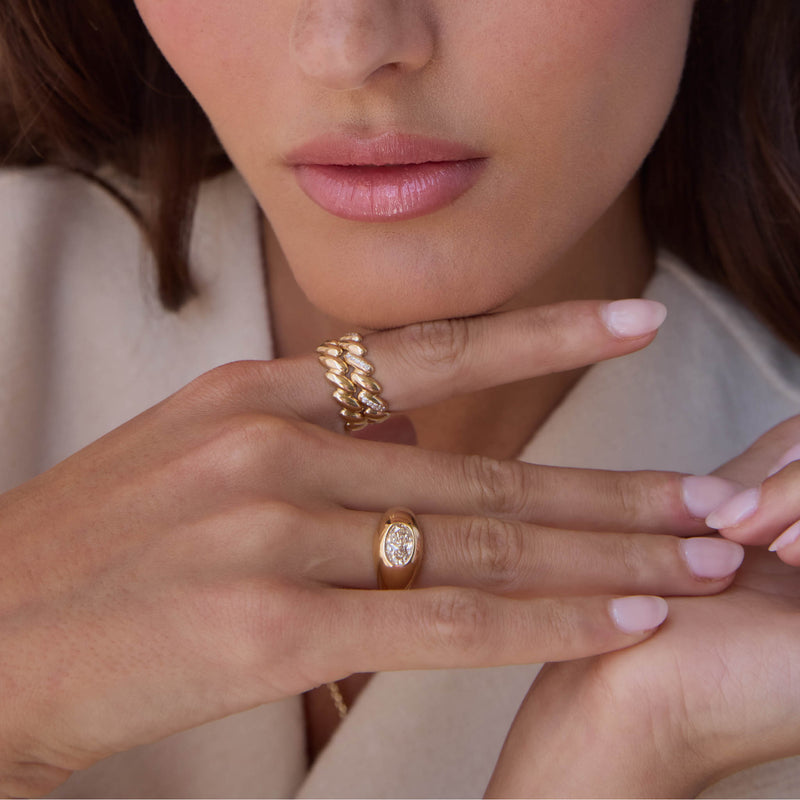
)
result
[(385, 149)]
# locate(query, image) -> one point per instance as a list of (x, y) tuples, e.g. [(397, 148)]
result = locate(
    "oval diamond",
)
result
[(399, 545)]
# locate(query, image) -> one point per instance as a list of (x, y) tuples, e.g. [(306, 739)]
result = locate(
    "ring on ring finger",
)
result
[(397, 549)]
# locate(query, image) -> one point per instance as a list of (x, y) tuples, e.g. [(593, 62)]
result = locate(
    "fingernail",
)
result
[(704, 493), (712, 558), (638, 614), (736, 510), (792, 454), (628, 319), (789, 536)]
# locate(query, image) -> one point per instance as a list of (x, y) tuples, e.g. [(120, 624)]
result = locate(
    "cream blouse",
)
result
[(85, 345)]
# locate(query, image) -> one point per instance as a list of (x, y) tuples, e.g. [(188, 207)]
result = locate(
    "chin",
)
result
[(381, 309), (387, 287)]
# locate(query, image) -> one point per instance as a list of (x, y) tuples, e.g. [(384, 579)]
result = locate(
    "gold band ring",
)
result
[(357, 391), (397, 549)]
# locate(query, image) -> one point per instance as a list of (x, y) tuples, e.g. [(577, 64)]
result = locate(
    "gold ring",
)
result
[(357, 391), (397, 549)]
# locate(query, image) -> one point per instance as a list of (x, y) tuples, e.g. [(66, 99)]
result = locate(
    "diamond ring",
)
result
[(398, 549), (357, 391)]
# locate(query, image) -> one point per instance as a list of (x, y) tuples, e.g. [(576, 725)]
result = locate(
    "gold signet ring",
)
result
[(398, 549)]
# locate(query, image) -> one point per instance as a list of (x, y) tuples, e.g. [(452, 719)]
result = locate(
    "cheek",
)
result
[(587, 77), (221, 50), (584, 88)]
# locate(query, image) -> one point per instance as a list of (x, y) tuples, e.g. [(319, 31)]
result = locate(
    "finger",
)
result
[(765, 514), (374, 476), (320, 470), (765, 456), (787, 545), (456, 627), (517, 559), (427, 362)]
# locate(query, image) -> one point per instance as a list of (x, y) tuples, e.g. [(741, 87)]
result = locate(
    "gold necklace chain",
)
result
[(338, 700)]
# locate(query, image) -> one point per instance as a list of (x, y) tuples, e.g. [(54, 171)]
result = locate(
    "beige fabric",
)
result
[(84, 346)]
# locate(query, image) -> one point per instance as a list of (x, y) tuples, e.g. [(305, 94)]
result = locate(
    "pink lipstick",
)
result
[(387, 177)]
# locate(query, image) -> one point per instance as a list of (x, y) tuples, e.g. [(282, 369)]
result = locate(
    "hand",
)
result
[(207, 556), (716, 691), (769, 513)]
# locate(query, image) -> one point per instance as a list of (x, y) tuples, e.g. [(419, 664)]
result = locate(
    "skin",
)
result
[(714, 693), (272, 76), (246, 460), (570, 75), (235, 525), (584, 102)]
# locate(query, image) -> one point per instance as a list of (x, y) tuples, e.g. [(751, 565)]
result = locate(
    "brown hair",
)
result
[(83, 85), (722, 183)]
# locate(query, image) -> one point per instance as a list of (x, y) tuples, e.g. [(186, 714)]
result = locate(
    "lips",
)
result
[(388, 177)]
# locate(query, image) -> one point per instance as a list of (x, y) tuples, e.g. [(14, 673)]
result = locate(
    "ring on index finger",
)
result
[(397, 549), (357, 391)]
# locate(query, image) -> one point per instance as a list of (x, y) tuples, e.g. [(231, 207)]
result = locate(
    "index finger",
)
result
[(428, 362)]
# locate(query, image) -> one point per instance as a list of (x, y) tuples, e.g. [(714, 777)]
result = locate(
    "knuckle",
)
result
[(457, 621), (553, 327), (554, 333), (249, 456), (561, 627), (501, 486), (267, 534), (631, 495), (256, 626), (220, 385), (495, 550), (279, 537), (244, 443), (438, 346), (629, 554)]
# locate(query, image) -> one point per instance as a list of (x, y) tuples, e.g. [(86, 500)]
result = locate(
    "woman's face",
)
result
[(418, 159)]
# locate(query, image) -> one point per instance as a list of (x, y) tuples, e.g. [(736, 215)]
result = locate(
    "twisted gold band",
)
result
[(357, 391)]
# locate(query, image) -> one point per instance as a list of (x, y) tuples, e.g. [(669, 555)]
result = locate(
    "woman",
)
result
[(415, 162)]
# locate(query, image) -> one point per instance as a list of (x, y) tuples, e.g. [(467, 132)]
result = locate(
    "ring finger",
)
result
[(518, 559)]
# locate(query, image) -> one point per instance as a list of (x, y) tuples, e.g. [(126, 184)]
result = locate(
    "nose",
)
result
[(341, 44)]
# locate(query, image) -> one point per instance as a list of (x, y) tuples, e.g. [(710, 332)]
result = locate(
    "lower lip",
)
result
[(392, 192)]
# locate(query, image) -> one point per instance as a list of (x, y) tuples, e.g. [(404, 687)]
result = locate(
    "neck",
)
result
[(613, 260)]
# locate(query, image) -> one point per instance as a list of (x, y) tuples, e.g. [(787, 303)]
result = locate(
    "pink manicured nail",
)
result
[(792, 454), (789, 536), (702, 494), (736, 510), (628, 319), (638, 614), (712, 558)]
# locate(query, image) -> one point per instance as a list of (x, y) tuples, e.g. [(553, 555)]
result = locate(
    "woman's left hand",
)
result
[(715, 691)]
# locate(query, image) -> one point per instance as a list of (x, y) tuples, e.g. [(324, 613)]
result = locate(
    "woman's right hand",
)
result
[(212, 554)]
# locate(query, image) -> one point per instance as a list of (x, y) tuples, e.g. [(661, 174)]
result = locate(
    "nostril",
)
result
[(342, 43), (338, 61)]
